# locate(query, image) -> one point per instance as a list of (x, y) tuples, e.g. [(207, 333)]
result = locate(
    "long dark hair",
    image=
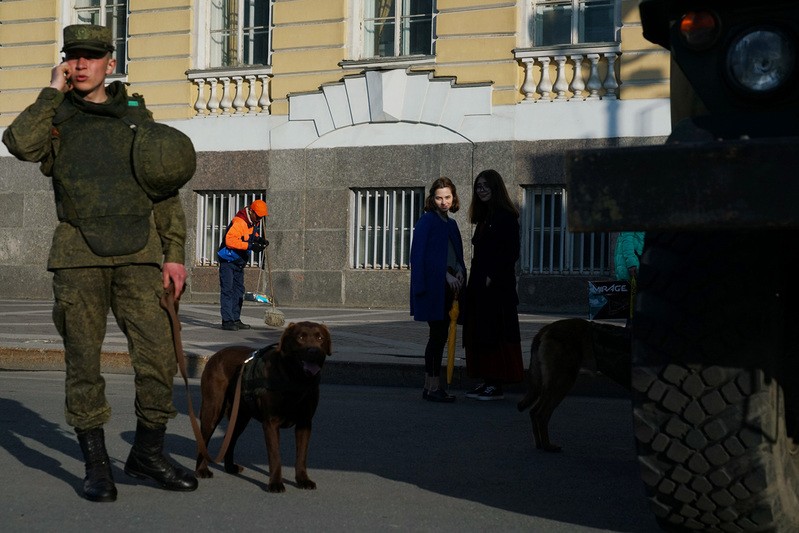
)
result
[(479, 210), (442, 183)]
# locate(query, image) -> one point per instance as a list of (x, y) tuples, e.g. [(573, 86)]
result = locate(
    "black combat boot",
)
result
[(98, 485), (146, 461)]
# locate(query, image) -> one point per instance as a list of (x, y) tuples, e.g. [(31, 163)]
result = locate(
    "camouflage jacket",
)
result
[(30, 137)]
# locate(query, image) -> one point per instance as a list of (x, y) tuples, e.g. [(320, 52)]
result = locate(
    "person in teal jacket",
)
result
[(626, 257), (438, 273)]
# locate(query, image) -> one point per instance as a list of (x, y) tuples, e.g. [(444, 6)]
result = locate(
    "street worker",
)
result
[(242, 237)]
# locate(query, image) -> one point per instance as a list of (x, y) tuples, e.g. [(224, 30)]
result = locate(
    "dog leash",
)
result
[(170, 304)]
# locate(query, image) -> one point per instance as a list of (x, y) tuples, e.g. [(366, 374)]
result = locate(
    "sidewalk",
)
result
[(380, 347)]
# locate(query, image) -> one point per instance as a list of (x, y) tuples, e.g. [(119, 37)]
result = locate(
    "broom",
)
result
[(259, 297), (274, 316)]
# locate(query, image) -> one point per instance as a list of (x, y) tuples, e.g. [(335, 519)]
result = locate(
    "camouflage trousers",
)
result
[(83, 297)]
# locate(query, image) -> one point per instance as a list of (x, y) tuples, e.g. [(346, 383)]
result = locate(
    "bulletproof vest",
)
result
[(95, 188)]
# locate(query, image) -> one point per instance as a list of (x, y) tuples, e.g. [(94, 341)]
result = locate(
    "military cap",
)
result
[(88, 37)]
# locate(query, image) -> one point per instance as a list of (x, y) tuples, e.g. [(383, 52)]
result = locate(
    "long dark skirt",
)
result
[(492, 342)]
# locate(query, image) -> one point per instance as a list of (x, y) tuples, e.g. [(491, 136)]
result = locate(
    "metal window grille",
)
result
[(215, 210), (383, 221), (112, 14), (548, 247)]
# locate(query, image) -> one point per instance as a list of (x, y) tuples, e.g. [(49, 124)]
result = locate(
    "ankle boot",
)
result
[(98, 485), (146, 461)]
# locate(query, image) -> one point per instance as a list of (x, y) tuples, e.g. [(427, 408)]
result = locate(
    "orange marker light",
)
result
[(699, 28)]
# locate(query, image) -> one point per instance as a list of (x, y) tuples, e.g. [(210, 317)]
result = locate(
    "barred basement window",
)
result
[(382, 224), (215, 210), (548, 247)]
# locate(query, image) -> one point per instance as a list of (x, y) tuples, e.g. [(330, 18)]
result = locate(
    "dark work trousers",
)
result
[(83, 297), (434, 352), (231, 290)]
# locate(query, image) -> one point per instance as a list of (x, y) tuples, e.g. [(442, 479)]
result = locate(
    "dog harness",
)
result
[(254, 382)]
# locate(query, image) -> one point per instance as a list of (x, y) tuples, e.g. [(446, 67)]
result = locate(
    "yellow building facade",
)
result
[(328, 107), (310, 46)]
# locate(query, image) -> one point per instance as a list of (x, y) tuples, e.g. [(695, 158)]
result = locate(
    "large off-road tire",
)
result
[(714, 381)]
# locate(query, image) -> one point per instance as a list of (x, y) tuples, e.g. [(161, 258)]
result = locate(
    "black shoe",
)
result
[(229, 325), (477, 391), (439, 395), (425, 392), (492, 392), (242, 325)]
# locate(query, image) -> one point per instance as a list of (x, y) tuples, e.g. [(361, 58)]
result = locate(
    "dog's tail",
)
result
[(532, 388)]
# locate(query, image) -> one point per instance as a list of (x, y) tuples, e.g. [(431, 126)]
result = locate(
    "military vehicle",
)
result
[(715, 349)]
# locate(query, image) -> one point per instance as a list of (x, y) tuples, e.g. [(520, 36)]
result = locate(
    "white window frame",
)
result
[(577, 21), (215, 210), (76, 15), (358, 35), (549, 248), (382, 226), (205, 44)]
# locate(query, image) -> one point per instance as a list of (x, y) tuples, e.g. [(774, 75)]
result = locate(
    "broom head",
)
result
[(274, 317)]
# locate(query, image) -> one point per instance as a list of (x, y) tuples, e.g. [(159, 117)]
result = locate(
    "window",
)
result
[(215, 210), (397, 28), (112, 14), (239, 33), (547, 245), (558, 22), (383, 221)]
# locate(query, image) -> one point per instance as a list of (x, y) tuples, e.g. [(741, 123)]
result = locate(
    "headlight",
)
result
[(762, 60)]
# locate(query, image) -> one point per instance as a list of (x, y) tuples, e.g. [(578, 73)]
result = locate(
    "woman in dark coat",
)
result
[(438, 272), (491, 327)]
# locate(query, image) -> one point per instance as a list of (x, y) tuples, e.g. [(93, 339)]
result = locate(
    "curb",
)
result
[(407, 375)]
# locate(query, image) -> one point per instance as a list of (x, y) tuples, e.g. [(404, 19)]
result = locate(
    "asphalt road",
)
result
[(383, 459)]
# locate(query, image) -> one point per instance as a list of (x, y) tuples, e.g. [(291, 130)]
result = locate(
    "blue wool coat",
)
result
[(429, 265)]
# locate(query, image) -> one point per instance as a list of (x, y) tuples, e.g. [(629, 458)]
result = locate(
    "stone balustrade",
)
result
[(231, 91), (566, 73)]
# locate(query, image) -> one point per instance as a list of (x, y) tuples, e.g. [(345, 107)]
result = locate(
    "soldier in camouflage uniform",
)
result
[(118, 245)]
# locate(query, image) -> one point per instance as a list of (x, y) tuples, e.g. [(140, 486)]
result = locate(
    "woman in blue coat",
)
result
[(438, 272)]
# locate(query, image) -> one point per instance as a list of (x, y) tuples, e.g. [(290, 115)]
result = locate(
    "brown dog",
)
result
[(557, 353), (280, 389)]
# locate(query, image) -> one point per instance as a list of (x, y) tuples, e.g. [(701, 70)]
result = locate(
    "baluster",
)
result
[(611, 85), (528, 87), (264, 102), (252, 101), (561, 85), (545, 85), (213, 99), (227, 100), (578, 85), (594, 84), (238, 101), (199, 105)]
